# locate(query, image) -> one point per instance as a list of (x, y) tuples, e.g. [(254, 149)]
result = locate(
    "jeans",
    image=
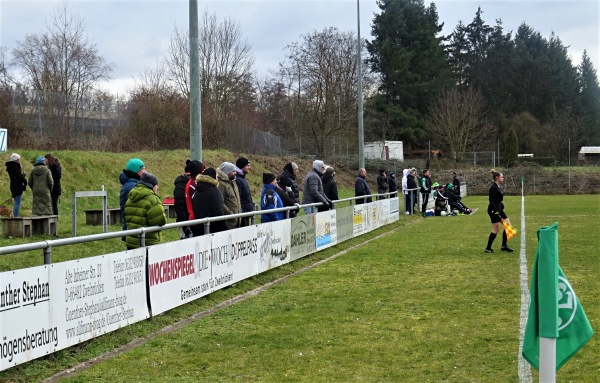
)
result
[(309, 210), (17, 205)]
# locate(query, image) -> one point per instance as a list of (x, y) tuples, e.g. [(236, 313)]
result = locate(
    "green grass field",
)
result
[(420, 303)]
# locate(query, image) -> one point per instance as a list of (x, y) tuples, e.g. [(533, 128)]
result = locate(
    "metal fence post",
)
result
[(48, 255)]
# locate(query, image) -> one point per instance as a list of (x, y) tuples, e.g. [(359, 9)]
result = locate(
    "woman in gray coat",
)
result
[(41, 183)]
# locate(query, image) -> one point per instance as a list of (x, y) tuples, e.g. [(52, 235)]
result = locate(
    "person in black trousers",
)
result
[(55, 169), (496, 212)]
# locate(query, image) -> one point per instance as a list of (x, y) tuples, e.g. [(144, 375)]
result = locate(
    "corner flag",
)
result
[(554, 310)]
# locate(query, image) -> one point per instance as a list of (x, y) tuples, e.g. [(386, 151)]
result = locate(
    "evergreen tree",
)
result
[(409, 56), (590, 100), (511, 145)]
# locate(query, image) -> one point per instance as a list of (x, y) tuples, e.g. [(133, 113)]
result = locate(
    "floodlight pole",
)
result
[(361, 136), (195, 112)]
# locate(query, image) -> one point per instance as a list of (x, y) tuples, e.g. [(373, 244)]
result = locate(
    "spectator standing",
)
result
[(208, 201), (18, 182), (129, 177), (382, 183), (425, 189), (329, 184), (287, 179), (56, 171), (242, 168), (361, 187), (287, 196), (179, 203), (144, 208), (313, 187), (392, 182), (456, 184), (496, 212), (413, 189), (195, 167), (40, 182), (269, 199), (231, 195)]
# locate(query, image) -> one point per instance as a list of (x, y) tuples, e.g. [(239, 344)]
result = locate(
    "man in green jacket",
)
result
[(142, 209)]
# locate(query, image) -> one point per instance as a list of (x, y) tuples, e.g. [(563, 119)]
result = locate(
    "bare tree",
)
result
[(226, 63), (458, 122), (64, 63), (320, 74)]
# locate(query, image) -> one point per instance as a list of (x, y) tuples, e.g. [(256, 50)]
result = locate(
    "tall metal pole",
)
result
[(195, 113), (361, 135)]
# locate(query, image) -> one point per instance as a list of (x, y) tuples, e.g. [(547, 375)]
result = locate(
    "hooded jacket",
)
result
[(179, 197), (208, 202), (277, 203), (330, 187), (128, 179), (41, 183), (288, 179), (143, 209), (18, 182), (56, 172), (313, 189), (405, 180), (231, 198)]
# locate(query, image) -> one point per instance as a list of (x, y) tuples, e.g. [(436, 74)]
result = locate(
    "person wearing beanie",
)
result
[(231, 195), (56, 171), (242, 167), (129, 177), (287, 181), (392, 182), (361, 187), (144, 209), (18, 182), (329, 184), (41, 183), (313, 188), (207, 201), (269, 199), (382, 183)]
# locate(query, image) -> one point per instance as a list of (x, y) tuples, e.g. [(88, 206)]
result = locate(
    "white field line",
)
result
[(524, 367)]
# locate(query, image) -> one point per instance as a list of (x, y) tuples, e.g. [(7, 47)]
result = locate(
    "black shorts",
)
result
[(495, 218)]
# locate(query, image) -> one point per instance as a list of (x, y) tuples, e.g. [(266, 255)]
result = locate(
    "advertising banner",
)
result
[(326, 234), (303, 236), (178, 272), (344, 224), (47, 308), (373, 215), (359, 220), (274, 244), (99, 294), (235, 256), (384, 212), (394, 210)]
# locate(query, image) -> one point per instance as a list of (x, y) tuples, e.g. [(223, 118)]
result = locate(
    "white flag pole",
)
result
[(547, 360)]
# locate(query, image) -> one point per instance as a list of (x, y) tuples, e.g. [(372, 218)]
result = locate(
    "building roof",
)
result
[(590, 150)]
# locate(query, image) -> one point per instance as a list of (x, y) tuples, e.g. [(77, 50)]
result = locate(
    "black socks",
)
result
[(491, 240), (504, 239)]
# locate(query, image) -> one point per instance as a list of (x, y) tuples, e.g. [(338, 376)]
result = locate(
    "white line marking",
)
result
[(524, 367)]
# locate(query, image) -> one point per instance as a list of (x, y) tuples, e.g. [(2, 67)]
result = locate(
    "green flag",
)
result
[(554, 310)]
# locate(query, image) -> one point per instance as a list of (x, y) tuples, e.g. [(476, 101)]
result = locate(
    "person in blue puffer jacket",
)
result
[(269, 199)]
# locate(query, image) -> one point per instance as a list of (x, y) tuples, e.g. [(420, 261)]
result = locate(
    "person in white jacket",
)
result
[(405, 191)]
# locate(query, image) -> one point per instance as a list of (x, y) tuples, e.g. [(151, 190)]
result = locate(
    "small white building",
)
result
[(589, 155), (384, 150)]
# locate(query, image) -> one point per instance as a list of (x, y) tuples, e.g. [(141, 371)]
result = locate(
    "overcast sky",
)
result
[(133, 35)]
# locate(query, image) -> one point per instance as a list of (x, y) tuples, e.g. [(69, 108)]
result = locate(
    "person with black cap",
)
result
[(194, 167), (269, 199), (392, 182), (242, 167), (382, 183), (143, 209), (208, 201)]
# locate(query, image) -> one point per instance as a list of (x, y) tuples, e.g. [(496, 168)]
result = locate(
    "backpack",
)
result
[(268, 200)]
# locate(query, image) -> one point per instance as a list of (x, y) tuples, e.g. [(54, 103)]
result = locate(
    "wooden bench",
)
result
[(93, 217), (29, 226), (170, 210)]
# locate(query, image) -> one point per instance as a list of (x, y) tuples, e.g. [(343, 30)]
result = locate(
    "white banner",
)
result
[(359, 220), (178, 272), (394, 209), (235, 256), (47, 308), (384, 212), (274, 244), (326, 231), (373, 215)]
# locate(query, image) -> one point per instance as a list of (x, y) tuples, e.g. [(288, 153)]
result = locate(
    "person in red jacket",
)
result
[(194, 167)]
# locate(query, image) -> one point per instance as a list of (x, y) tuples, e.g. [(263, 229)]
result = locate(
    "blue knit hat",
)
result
[(40, 160), (134, 165)]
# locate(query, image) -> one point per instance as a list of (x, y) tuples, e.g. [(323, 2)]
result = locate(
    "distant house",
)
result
[(589, 155)]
